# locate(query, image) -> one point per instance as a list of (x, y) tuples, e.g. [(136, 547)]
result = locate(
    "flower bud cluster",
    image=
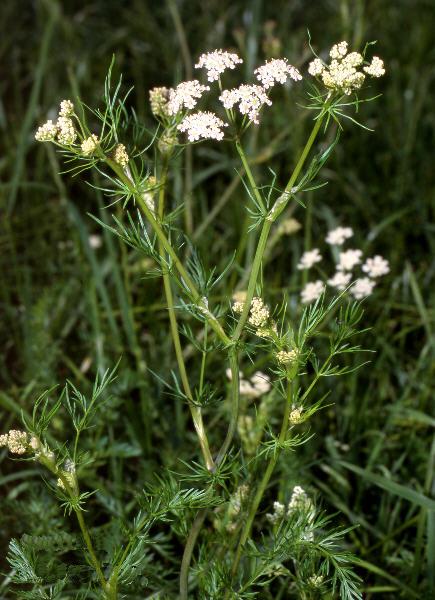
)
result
[(344, 74), (16, 441), (120, 155), (296, 415), (299, 503), (159, 99), (89, 145), (287, 357)]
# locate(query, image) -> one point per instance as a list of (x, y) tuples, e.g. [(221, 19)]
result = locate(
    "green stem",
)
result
[(94, 559), (235, 395), (264, 482), (187, 554), (158, 230), (249, 174), (73, 493), (199, 520), (276, 210), (195, 410)]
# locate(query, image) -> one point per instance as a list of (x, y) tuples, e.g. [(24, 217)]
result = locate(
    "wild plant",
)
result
[(242, 535)]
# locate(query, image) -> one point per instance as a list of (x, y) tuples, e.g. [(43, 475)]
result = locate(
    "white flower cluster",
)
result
[(276, 70), (66, 108), (340, 280), (309, 259), (159, 99), (376, 266), (287, 357), (376, 67), (295, 415), (202, 125), (278, 513), (259, 313), (66, 133), (315, 581), (343, 74), (362, 288), (255, 387), (68, 474), (299, 502), (186, 94), (120, 155), (347, 261), (46, 132), (338, 236), (312, 291), (19, 442), (250, 99), (89, 145), (63, 131), (216, 62)]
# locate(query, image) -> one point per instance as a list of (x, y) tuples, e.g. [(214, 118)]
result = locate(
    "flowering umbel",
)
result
[(344, 73), (202, 125), (276, 70), (216, 62)]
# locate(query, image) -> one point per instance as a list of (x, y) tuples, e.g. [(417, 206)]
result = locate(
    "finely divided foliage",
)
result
[(239, 535)]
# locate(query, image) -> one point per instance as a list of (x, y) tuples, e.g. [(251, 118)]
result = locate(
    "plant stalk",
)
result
[(264, 482), (195, 410)]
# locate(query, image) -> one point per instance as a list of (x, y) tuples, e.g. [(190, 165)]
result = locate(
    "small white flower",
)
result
[(316, 67), (354, 59), (363, 287), (299, 501), (238, 307), (95, 241), (67, 135), (376, 67), (276, 70), (250, 99), (278, 512), (312, 291), (339, 235), (315, 581), (89, 145), (278, 508), (202, 125), (340, 280), (217, 62), (121, 156), (259, 313), (309, 259), (347, 260), (16, 441), (66, 108), (286, 357), (247, 389), (338, 50), (186, 95), (47, 132), (261, 382), (376, 266), (295, 417)]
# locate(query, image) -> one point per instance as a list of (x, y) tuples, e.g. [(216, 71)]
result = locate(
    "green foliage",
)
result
[(74, 303)]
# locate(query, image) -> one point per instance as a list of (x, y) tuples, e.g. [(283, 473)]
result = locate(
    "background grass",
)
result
[(70, 310)]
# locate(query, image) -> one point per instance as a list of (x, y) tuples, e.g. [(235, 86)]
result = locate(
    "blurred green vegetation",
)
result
[(70, 310)]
